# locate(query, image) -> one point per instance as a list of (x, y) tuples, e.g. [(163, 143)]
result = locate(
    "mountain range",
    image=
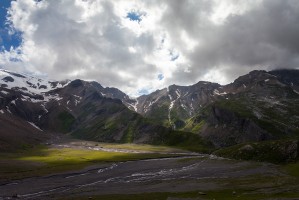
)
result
[(259, 106)]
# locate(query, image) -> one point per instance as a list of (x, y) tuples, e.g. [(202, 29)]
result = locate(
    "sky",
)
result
[(141, 46)]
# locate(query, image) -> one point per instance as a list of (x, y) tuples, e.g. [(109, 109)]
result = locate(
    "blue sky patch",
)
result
[(7, 40), (15, 60), (160, 77), (173, 56), (143, 91), (135, 16)]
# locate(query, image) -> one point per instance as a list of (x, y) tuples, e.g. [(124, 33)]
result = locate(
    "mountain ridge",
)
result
[(83, 110), (257, 106)]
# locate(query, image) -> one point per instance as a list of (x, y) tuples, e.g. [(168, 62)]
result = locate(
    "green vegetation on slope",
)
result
[(194, 125), (279, 151), (128, 137), (237, 105), (184, 140), (159, 113), (66, 121), (275, 115)]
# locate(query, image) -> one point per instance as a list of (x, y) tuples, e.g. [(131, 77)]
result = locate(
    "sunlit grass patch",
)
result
[(292, 169), (141, 147), (69, 155), (42, 160)]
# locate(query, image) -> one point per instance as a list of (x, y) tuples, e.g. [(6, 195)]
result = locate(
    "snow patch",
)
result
[(78, 100), (25, 98), (178, 93), (169, 110), (35, 100), (101, 94), (183, 106), (296, 91), (172, 104), (44, 107), (153, 102), (77, 96), (186, 94), (4, 92), (33, 85), (257, 114), (7, 108), (135, 105), (216, 92), (69, 109), (57, 97), (32, 124), (1, 111)]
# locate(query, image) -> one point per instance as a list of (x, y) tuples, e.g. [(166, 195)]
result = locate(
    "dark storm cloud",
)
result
[(265, 37)]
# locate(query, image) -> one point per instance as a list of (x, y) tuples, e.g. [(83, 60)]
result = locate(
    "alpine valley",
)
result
[(257, 107), (76, 128)]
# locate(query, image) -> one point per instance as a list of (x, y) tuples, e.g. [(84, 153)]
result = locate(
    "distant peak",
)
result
[(76, 83)]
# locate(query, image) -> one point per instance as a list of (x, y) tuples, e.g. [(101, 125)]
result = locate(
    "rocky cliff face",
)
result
[(226, 128), (173, 105), (257, 106)]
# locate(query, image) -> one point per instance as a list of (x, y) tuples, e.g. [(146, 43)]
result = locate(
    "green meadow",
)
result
[(44, 160)]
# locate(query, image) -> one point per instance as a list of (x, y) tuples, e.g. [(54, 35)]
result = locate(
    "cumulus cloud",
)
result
[(181, 41)]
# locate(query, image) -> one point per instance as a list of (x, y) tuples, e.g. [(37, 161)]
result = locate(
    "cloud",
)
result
[(129, 43), (263, 36), (82, 39)]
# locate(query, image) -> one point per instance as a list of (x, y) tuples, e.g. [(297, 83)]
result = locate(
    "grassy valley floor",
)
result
[(74, 169), (75, 155)]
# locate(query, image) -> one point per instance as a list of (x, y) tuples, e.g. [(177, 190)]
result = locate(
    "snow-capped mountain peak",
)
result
[(27, 83)]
